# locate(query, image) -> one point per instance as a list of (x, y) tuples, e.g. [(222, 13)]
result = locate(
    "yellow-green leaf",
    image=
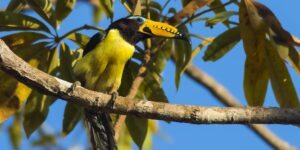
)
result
[(80, 39), (107, 7), (294, 58), (124, 141), (256, 79), (53, 61), (36, 111), (63, 9), (15, 6), (13, 93), (15, 132), (183, 55), (17, 21), (67, 60), (22, 39), (253, 36), (72, 116), (219, 18), (222, 44), (137, 128), (44, 9), (281, 81)]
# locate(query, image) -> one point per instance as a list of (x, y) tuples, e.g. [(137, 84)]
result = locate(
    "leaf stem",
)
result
[(84, 27)]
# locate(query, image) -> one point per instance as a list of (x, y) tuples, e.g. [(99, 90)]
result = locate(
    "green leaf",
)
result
[(13, 93), (281, 81), (97, 13), (78, 38), (22, 39), (124, 141), (220, 17), (294, 58), (222, 44), (137, 128), (44, 9), (13, 21), (256, 78), (53, 61), (15, 132), (72, 116), (15, 6), (217, 6), (67, 60), (36, 111), (63, 9), (183, 55), (256, 72), (107, 7)]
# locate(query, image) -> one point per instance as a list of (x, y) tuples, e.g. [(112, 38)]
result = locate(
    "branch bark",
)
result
[(34, 78)]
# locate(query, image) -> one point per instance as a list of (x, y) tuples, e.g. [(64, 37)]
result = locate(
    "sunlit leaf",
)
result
[(44, 9), (63, 9), (137, 128), (97, 13), (15, 132), (13, 93), (53, 62), (22, 39), (281, 81), (80, 39), (124, 141), (17, 21), (72, 116), (36, 111), (107, 7), (217, 6), (222, 44), (220, 17), (15, 6)]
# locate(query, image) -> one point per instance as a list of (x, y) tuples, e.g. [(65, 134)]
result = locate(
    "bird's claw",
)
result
[(74, 86), (114, 96)]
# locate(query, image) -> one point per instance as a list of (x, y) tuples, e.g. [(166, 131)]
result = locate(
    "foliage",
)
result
[(267, 45)]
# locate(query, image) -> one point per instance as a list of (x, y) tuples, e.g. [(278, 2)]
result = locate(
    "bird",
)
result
[(102, 65)]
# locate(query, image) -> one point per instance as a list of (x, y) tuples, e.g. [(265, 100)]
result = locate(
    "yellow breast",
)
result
[(102, 68)]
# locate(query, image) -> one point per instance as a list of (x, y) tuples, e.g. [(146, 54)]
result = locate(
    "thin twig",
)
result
[(84, 27)]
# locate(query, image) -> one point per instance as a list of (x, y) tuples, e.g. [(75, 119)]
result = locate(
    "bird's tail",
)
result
[(101, 131)]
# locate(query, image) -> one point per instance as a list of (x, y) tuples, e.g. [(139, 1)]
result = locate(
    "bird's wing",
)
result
[(96, 39)]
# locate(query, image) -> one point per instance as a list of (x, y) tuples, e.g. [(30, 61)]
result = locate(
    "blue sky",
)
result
[(228, 71)]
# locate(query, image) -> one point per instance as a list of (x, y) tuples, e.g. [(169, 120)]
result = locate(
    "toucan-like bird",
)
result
[(101, 67)]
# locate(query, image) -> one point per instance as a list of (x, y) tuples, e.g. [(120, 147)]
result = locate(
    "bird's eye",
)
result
[(140, 20)]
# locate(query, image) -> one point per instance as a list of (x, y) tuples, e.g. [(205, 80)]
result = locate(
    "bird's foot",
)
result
[(114, 96), (74, 86)]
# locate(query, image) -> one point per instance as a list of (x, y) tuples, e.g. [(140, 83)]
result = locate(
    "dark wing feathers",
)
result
[(96, 39)]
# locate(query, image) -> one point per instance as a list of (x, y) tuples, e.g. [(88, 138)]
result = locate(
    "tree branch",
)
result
[(34, 78)]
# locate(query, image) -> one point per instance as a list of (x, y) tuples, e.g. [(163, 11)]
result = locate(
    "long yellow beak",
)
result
[(160, 29)]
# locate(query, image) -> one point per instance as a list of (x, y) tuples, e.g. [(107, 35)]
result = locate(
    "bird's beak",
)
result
[(160, 29)]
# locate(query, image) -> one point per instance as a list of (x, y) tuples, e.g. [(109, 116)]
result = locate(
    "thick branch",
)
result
[(16, 67)]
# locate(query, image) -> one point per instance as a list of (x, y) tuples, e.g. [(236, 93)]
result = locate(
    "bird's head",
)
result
[(137, 28)]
